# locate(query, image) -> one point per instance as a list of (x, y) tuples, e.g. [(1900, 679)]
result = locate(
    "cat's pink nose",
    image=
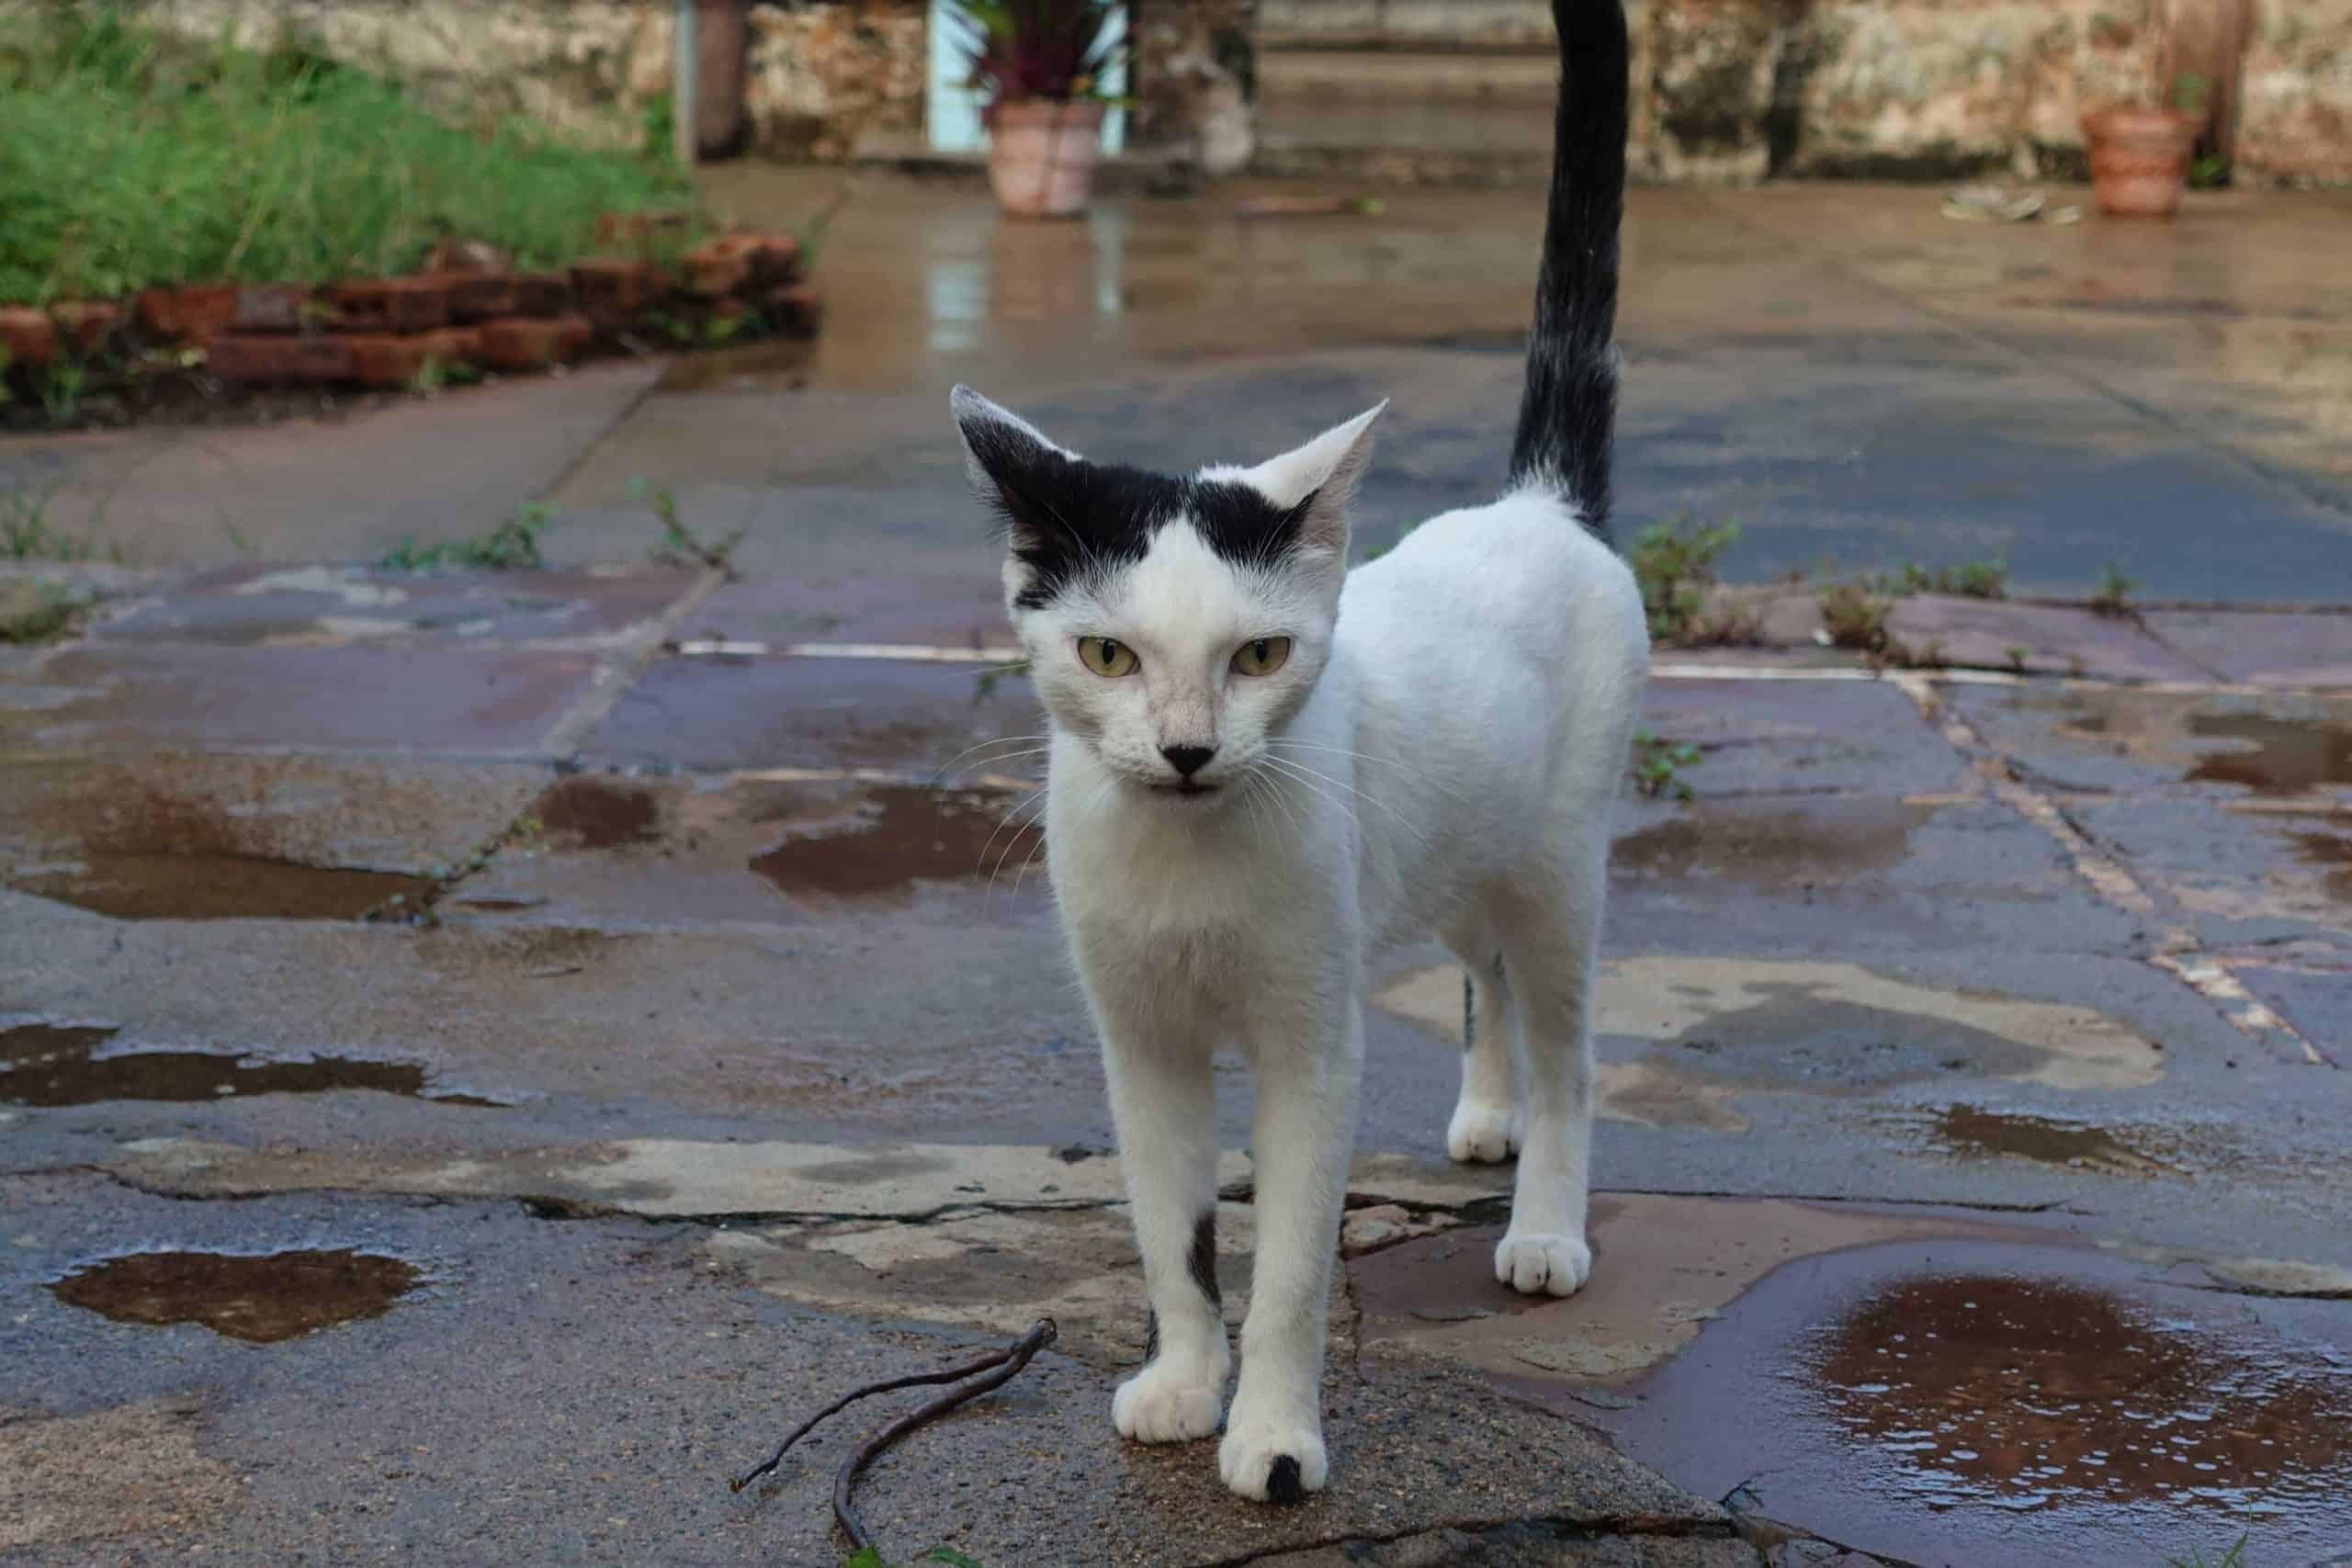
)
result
[(1188, 759)]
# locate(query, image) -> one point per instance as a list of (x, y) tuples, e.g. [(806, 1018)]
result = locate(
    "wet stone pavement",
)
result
[(481, 1055)]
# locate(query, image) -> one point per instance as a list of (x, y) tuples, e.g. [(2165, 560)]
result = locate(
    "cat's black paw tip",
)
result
[(1282, 1482)]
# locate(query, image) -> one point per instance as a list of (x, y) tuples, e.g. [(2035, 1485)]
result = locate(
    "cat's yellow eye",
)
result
[(1106, 656), (1262, 656)]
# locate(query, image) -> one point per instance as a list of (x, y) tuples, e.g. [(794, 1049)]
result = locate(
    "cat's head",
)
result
[(1172, 625)]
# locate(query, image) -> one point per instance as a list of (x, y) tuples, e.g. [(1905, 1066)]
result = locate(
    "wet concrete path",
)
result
[(481, 1054)]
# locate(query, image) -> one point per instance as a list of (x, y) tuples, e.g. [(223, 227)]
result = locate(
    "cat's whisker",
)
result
[(1426, 777), (1038, 744), (1088, 809), (1402, 820), (1258, 779), (1006, 821), (1317, 790)]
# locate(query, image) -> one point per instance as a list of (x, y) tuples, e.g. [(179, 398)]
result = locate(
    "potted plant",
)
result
[(1040, 62), (2140, 155)]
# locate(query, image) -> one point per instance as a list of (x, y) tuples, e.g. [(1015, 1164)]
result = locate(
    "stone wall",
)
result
[(823, 75), (1726, 90), (2294, 101), (1740, 89)]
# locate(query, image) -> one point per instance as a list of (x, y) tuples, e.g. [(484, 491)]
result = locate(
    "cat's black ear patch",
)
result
[(1017, 472), (1064, 518)]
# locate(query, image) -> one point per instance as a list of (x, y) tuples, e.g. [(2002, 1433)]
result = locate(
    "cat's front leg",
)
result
[(1162, 1101), (1300, 1143)]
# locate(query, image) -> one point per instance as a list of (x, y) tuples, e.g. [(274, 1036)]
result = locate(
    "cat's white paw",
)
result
[(1484, 1134), (1273, 1460), (1168, 1405), (1536, 1265)]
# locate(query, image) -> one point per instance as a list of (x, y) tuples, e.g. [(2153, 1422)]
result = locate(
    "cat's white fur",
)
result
[(1439, 755)]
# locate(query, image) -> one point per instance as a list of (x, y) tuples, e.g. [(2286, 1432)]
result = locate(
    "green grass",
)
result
[(1969, 579), (1674, 563), (2114, 595), (27, 534), (2233, 1558), (513, 546), (1855, 614), (129, 160), (948, 1555)]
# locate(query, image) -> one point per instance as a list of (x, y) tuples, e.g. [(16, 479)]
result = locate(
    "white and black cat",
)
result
[(1266, 768)]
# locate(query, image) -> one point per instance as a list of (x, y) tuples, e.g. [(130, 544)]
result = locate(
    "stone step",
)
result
[(1443, 24), (1392, 77)]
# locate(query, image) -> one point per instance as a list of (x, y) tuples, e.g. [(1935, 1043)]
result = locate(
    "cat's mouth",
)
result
[(1184, 789)]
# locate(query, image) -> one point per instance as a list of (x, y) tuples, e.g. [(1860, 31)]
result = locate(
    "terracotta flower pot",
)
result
[(2139, 160), (1042, 155)]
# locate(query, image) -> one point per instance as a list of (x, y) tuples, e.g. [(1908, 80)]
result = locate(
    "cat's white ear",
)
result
[(1321, 477)]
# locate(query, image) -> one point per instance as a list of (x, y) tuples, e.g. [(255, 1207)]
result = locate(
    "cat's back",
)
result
[(1473, 595)]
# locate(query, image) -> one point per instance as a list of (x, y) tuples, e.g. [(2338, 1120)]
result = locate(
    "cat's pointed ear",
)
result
[(1319, 481), (1014, 467)]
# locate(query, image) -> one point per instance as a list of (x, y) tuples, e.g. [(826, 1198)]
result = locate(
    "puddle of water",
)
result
[(597, 813), (51, 1064), (2281, 756), (773, 366), (902, 836), (2022, 1394), (207, 886), (260, 1298), (2077, 1144), (2332, 853), (1948, 1399), (1771, 846), (127, 846)]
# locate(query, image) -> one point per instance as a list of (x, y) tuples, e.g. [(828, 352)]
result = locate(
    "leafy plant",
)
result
[(2114, 595), (2233, 1558), (60, 391), (1855, 615), (50, 610), (513, 546), (27, 534), (1656, 764), (1674, 563), (1969, 580), (984, 685), (2208, 173), (869, 1557), (2191, 94), (679, 545), (1020, 50)]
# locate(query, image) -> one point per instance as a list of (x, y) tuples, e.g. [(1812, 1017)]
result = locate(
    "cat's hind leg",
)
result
[(1487, 1125), (1550, 928)]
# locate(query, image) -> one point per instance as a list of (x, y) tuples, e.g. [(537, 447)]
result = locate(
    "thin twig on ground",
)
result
[(991, 1371)]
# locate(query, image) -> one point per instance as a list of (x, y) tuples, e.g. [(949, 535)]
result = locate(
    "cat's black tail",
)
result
[(1569, 412)]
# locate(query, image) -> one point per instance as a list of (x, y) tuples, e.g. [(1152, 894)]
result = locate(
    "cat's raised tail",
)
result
[(1569, 411)]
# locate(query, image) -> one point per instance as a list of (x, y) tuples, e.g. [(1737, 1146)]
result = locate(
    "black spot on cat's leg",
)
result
[(1151, 1340), (1282, 1482), (1201, 1264), (1469, 1014)]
